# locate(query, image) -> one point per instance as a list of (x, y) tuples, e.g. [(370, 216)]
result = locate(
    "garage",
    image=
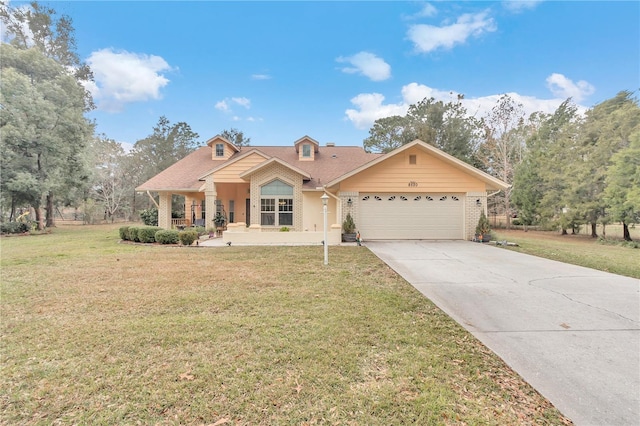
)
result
[(414, 216)]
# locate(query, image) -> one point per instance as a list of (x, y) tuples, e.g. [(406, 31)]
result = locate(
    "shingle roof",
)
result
[(330, 163)]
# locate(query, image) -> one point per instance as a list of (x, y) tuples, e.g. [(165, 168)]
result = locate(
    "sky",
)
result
[(278, 71)]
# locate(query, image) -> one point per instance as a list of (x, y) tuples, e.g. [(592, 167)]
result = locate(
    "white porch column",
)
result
[(210, 195), (164, 210)]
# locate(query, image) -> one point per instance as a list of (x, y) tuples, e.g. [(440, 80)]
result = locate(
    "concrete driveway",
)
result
[(573, 333)]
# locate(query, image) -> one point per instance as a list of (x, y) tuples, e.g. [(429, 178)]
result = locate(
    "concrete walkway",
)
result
[(573, 333)]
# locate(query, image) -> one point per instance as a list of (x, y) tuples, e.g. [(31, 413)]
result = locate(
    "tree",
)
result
[(607, 130), (622, 193), (503, 146), (110, 184), (36, 26), (541, 182), (236, 137), (387, 134), (43, 133), (166, 145), (446, 126)]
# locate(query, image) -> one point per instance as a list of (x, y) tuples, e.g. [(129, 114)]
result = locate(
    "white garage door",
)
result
[(386, 216)]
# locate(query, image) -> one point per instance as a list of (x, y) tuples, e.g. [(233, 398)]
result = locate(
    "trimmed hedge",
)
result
[(148, 234), (133, 233), (188, 237), (167, 236), (124, 233)]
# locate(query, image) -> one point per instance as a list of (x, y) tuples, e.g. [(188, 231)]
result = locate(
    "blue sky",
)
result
[(280, 70)]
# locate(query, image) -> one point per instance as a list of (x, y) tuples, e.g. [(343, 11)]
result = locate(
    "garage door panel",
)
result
[(411, 216)]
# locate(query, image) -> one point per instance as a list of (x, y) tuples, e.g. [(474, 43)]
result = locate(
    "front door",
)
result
[(248, 211)]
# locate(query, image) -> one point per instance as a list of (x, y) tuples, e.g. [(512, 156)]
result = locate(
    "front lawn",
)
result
[(97, 332), (578, 249)]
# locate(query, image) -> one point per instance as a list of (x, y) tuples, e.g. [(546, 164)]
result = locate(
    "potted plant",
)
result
[(348, 229), (220, 220), (483, 229)]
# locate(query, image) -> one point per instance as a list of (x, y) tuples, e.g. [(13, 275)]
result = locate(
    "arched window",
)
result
[(276, 196)]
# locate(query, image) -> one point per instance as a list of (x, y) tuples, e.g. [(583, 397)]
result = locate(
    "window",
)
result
[(219, 150), (412, 159), (306, 150), (276, 197), (232, 211)]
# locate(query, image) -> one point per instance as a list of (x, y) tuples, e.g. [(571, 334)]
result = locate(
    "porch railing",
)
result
[(179, 223)]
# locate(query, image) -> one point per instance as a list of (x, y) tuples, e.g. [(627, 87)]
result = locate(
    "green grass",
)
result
[(97, 332), (577, 250)]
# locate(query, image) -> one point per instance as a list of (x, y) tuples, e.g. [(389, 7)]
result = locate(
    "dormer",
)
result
[(306, 148), (221, 149)]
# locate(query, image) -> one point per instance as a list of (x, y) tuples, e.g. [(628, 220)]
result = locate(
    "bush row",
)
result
[(15, 227), (152, 234)]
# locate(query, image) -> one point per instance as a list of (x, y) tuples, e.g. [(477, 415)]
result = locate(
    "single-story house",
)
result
[(414, 192)]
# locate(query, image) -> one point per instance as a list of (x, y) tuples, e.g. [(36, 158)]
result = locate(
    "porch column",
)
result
[(164, 210), (210, 195)]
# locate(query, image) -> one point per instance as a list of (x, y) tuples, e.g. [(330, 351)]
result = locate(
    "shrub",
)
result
[(133, 233), (167, 236), (188, 237), (284, 229), (148, 234), (349, 225), (200, 230), (149, 217), (14, 227), (124, 233)]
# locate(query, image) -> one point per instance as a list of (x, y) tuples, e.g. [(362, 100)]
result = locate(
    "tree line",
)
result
[(565, 169)]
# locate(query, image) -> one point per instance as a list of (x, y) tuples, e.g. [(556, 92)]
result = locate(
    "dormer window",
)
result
[(306, 151), (219, 150)]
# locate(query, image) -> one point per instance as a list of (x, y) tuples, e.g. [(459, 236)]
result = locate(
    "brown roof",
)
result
[(330, 163), (183, 175)]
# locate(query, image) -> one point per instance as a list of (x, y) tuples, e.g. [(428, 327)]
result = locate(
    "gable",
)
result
[(231, 172), (433, 171), (221, 148)]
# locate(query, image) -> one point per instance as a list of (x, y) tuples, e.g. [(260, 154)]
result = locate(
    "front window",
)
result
[(219, 150), (276, 204), (306, 150)]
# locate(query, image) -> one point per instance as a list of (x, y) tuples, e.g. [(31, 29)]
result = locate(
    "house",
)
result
[(413, 192)]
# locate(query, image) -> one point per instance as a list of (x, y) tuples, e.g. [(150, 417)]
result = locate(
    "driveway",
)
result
[(573, 333)]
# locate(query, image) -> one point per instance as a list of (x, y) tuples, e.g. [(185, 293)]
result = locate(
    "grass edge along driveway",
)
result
[(98, 332)]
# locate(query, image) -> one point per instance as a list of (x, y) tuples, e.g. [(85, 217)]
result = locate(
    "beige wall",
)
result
[(313, 213), (428, 174)]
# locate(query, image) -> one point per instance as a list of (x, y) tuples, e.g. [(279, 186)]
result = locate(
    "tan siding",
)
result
[(396, 174), (231, 173)]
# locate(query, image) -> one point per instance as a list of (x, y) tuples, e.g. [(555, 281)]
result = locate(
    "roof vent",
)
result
[(331, 144), (334, 156)]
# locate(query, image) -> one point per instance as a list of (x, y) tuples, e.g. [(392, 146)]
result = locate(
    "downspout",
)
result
[(153, 200)]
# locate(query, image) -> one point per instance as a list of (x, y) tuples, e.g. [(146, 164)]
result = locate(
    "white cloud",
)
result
[(222, 105), (260, 77), (427, 11), (427, 38), (124, 77), (242, 102), (225, 104), (517, 6), (367, 64), (369, 106), (563, 87)]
